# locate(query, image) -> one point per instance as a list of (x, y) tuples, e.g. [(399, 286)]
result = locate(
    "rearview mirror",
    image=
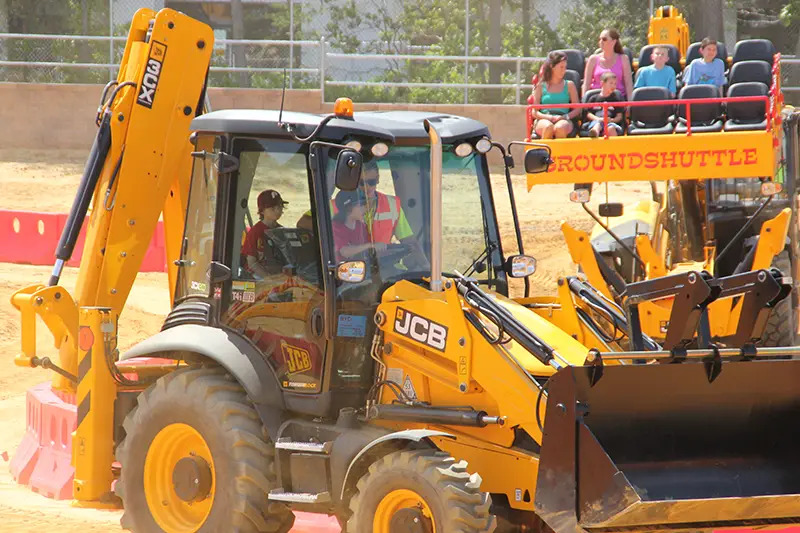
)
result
[(610, 210), (351, 271), (348, 170), (520, 266), (537, 160)]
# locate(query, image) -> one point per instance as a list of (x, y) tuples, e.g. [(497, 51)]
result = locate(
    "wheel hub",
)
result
[(191, 479), (410, 521)]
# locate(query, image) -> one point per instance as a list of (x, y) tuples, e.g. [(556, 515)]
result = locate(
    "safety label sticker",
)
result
[(243, 291), (408, 388)]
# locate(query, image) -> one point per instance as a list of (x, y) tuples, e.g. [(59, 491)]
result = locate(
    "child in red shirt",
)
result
[(350, 234), (258, 257)]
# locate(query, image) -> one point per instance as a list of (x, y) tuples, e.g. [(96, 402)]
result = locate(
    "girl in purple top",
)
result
[(610, 59)]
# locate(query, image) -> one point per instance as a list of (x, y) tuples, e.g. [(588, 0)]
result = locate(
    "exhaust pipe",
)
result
[(436, 207)]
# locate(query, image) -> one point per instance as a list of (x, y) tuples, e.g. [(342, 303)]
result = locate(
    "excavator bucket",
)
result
[(694, 445)]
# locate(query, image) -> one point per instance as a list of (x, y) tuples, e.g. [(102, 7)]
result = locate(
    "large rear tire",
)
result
[(195, 457), (426, 487), (780, 328)]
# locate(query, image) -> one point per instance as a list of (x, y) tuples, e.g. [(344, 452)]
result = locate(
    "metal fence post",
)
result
[(322, 69), (110, 39), (291, 44), (466, 51), (519, 78)]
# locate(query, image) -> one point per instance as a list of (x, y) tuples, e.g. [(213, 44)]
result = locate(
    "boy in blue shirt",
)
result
[(659, 74), (709, 69)]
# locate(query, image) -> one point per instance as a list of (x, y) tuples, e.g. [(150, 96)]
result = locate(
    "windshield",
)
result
[(386, 221)]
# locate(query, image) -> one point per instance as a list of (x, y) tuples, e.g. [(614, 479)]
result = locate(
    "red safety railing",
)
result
[(773, 103), (687, 102)]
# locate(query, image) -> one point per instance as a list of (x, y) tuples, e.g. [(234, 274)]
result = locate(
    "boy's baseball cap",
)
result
[(270, 198)]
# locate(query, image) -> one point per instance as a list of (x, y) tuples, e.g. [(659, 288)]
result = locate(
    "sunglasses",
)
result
[(605, 38), (371, 182)]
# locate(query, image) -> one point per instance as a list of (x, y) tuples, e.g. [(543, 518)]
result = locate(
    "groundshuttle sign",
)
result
[(660, 157)]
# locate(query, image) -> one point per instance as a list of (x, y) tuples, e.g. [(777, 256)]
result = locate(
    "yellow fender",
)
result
[(771, 239), (654, 263)]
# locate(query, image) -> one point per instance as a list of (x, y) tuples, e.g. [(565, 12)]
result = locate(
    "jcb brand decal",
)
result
[(420, 329), (297, 359), (152, 73)]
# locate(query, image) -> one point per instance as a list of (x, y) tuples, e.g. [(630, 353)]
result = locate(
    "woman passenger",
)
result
[(554, 122), (611, 58)]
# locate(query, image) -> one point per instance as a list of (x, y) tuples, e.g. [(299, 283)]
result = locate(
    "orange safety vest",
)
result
[(387, 213)]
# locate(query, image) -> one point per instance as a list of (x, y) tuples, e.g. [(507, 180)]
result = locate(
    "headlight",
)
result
[(768, 188), (379, 149), (355, 145), (463, 149), (580, 196), (483, 145)]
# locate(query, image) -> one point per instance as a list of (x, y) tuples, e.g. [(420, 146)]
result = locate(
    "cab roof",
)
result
[(390, 126)]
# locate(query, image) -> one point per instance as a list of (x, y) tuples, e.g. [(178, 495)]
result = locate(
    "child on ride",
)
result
[(709, 69), (659, 74), (608, 93)]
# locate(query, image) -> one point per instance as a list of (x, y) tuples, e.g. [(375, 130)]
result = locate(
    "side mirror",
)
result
[(348, 170), (226, 163), (537, 160), (520, 266), (217, 272), (351, 271), (610, 210)]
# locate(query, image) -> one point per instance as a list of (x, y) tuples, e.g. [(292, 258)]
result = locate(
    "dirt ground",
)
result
[(46, 182)]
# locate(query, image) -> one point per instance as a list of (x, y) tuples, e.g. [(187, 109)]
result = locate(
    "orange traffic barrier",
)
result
[(31, 238), (42, 460)]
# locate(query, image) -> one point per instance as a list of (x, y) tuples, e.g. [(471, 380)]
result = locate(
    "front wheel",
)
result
[(196, 458), (420, 491)]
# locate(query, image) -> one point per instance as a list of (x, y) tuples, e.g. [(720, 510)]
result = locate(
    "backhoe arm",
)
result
[(129, 176)]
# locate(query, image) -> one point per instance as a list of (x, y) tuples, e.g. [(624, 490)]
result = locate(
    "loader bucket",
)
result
[(662, 447)]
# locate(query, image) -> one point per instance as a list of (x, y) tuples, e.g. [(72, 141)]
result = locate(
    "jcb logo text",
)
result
[(297, 359), (420, 329)]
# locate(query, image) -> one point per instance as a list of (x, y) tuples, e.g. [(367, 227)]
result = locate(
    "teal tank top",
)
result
[(561, 97)]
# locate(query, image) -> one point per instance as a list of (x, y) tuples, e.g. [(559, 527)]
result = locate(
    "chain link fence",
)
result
[(431, 51)]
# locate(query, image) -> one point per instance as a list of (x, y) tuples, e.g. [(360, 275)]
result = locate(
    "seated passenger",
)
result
[(259, 258), (350, 235), (608, 93), (706, 70), (305, 221), (611, 57), (554, 122), (659, 74)]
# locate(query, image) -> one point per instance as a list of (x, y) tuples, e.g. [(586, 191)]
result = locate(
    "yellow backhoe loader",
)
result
[(364, 376)]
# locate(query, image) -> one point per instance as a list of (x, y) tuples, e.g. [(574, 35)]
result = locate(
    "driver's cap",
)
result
[(347, 199)]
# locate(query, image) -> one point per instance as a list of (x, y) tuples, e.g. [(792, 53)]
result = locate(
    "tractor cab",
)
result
[(297, 225)]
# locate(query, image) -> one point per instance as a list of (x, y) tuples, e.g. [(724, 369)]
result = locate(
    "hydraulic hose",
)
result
[(91, 174), (508, 323)]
